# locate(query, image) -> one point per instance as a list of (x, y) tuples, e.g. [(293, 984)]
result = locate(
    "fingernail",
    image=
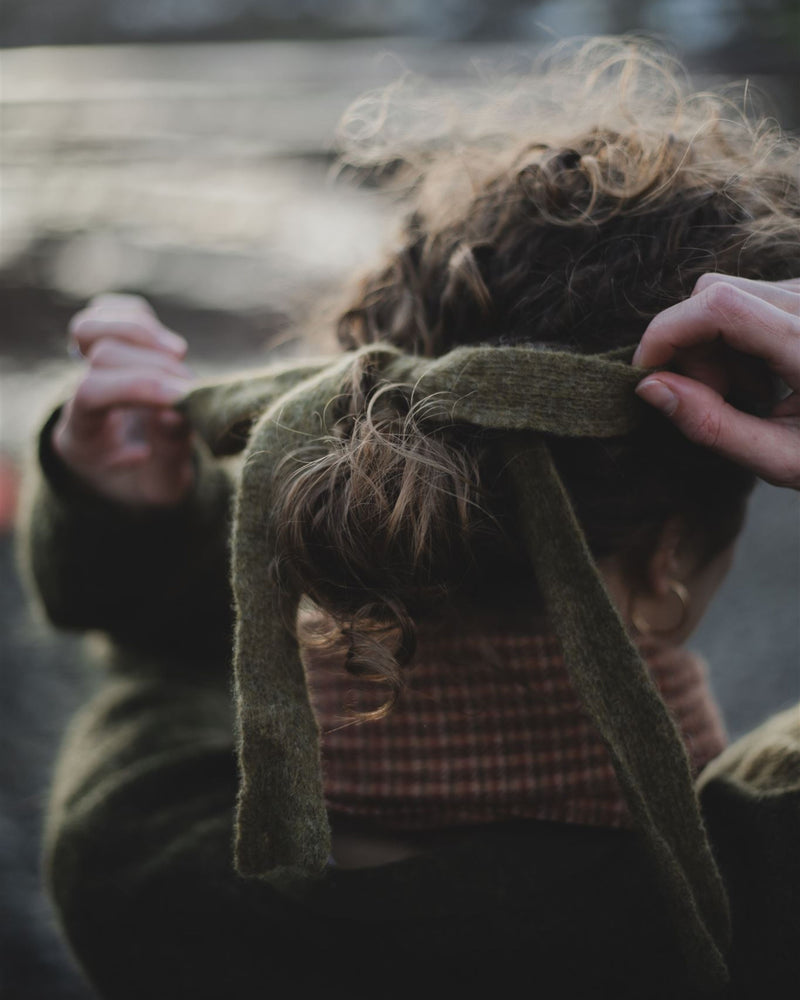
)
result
[(659, 395)]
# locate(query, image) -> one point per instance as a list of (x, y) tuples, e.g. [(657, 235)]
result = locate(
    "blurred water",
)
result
[(197, 174)]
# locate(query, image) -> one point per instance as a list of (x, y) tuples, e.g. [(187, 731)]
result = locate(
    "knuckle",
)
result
[(101, 352), (785, 471), (77, 321), (705, 281), (706, 428), (148, 387), (726, 303), (658, 329), (84, 393), (120, 299)]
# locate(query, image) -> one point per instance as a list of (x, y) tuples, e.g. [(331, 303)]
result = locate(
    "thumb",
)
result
[(770, 448)]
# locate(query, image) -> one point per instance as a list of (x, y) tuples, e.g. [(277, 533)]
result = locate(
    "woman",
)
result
[(400, 528)]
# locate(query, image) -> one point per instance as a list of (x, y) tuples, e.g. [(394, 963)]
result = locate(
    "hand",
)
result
[(706, 337), (118, 434)]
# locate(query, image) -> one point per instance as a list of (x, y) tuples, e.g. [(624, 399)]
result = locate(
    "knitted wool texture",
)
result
[(487, 729), (527, 392)]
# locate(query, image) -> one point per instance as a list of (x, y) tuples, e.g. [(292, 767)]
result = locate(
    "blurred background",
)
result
[(181, 149)]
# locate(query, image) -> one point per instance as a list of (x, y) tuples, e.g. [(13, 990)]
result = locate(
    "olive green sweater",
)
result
[(141, 821)]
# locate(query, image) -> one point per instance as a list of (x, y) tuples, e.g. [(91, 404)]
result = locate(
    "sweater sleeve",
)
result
[(751, 803), (138, 858), (154, 580)]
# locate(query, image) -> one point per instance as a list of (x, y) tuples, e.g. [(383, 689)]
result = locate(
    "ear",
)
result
[(671, 560)]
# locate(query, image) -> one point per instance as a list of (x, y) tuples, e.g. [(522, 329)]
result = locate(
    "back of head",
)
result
[(565, 213), (571, 207)]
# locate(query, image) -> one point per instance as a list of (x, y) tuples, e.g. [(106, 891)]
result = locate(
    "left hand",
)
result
[(119, 434)]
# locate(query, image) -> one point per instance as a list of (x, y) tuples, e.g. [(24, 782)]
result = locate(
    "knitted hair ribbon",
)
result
[(281, 817)]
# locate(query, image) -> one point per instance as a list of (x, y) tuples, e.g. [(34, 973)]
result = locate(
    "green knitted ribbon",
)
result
[(281, 819)]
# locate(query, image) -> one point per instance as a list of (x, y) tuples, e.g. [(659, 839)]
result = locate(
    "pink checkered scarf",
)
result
[(488, 729)]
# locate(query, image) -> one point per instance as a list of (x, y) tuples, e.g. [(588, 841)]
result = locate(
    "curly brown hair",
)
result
[(570, 225)]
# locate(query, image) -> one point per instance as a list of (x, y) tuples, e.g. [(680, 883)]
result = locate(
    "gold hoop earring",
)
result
[(643, 627)]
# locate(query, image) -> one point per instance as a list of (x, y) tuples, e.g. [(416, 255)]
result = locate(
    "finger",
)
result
[(103, 390), (768, 448), (140, 330), (110, 353), (164, 425), (129, 455), (139, 451), (120, 300), (726, 313), (172, 420), (783, 295)]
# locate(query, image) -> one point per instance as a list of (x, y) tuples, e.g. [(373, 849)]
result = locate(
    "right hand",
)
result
[(119, 434), (728, 317)]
